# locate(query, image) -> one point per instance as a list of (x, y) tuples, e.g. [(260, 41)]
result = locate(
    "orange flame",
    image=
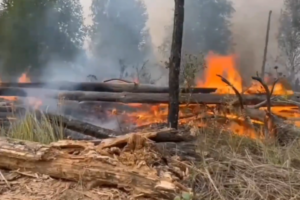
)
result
[(24, 78), (216, 65)]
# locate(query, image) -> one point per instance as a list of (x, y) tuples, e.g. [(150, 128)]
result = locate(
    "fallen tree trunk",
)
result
[(103, 87), (152, 98), (84, 162), (81, 127)]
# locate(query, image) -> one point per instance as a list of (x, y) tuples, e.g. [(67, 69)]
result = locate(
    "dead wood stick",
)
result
[(269, 121), (81, 127), (88, 166), (101, 87), (266, 46), (240, 98)]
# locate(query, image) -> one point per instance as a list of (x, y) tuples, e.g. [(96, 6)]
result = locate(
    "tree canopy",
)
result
[(33, 33), (118, 32)]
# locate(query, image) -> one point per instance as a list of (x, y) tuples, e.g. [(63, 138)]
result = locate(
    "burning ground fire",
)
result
[(196, 114), (32, 101), (193, 114)]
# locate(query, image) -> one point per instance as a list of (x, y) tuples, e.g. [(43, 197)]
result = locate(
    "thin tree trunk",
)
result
[(174, 63), (266, 46)]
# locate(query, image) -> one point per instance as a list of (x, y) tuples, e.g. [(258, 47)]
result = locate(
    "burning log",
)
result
[(92, 165), (152, 98), (273, 126), (101, 87), (82, 127)]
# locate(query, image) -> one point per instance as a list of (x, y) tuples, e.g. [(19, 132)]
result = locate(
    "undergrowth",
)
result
[(235, 167), (34, 128)]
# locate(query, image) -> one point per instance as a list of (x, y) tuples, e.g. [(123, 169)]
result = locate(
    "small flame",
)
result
[(24, 78)]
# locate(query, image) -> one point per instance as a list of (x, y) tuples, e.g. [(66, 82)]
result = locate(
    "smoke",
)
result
[(249, 23)]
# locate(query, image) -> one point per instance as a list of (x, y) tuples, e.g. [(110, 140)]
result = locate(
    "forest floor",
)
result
[(218, 165)]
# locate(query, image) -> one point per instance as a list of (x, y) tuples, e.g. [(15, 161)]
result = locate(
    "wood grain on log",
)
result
[(85, 163)]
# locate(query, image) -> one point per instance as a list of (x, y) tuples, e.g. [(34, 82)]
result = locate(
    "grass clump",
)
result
[(35, 128)]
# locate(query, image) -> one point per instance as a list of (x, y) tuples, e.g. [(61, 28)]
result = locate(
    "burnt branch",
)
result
[(269, 119), (268, 92), (264, 85), (238, 94), (117, 79), (273, 87), (266, 101)]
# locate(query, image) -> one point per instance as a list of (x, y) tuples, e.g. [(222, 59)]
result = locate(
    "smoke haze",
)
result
[(249, 25)]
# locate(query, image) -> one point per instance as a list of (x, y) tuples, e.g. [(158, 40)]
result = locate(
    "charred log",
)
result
[(96, 87), (152, 98), (81, 127)]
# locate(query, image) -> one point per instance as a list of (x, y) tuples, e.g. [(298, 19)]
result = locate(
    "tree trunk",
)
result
[(174, 63)]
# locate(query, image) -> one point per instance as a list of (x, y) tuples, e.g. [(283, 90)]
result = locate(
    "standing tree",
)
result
[(34, 33), (118, 33), (174, 64), (289, 37)]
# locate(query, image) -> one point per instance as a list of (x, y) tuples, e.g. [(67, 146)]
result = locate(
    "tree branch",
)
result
[(238, 94)]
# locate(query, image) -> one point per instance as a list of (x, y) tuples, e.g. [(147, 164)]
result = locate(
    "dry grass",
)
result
[(35, 128), (231, 167), (234, 167)]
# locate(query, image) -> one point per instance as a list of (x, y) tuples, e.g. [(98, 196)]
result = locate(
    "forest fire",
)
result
[(228, 114), (196, 114)]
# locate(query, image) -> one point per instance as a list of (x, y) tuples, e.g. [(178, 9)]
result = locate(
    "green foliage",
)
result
[(193, 66), (33, 32), (184, 196)]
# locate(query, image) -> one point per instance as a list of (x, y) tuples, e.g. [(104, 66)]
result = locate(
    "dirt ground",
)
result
[(23, 186)]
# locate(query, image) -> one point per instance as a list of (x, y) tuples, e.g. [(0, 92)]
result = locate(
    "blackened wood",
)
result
[(99, 87), (266, 46), (155, 98), (174, 64), (82, 127)]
